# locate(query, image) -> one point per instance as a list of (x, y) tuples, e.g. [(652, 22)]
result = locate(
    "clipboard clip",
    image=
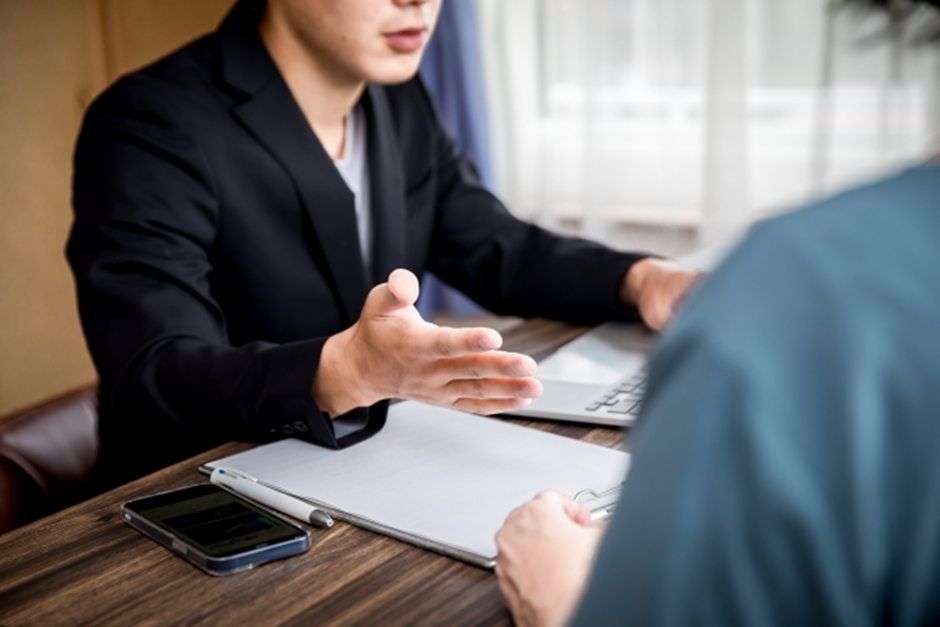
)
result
[(605, 511)]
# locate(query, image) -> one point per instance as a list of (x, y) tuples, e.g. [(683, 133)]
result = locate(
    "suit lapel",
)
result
[(272, 115), (387, 187), (276, 121)]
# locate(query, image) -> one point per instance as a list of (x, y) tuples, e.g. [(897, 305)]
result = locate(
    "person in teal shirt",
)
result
[(786, 465)]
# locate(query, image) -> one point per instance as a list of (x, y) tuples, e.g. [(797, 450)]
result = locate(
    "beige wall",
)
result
[(54, 56)]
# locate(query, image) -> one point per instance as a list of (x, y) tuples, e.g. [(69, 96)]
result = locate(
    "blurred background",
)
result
[(660, 125)]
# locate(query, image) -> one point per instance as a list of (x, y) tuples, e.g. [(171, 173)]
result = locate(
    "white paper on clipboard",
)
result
[(442, 479)]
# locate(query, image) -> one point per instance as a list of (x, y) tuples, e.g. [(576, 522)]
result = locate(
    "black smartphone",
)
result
[(216, 530)]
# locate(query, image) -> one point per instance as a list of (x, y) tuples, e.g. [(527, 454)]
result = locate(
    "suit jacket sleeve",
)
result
[(512, 267), (146, 217)]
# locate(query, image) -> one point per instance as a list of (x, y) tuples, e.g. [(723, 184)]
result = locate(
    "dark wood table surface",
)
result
[(84, 566)]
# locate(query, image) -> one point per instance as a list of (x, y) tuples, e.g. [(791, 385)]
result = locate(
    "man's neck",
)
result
[(324, 91)]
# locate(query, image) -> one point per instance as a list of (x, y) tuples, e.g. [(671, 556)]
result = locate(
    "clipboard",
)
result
[(439, 479)]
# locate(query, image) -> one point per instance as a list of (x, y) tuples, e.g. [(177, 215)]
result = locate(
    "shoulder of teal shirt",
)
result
[(769, 483)]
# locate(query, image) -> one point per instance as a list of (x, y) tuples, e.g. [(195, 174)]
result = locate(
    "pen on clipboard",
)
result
[(600, 513), (248, 486)]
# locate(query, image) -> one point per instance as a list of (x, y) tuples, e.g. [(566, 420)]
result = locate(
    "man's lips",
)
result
[(406, 40)]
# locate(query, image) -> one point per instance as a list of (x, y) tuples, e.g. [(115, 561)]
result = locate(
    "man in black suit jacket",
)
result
[(220, 272)]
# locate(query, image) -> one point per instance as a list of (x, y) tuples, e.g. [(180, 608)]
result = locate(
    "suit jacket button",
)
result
[(301, 426), (287, 429)]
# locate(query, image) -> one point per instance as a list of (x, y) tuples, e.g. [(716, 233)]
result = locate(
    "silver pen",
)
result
[(248, 486)]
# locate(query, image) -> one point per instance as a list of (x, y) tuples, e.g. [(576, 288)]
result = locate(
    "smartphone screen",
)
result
[(214, 521)]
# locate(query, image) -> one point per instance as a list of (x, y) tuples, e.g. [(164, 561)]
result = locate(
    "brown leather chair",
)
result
[(47, 454)]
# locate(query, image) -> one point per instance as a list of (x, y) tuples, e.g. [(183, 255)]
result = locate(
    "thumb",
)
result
[(575, 511), (400, 292), (578, 513)]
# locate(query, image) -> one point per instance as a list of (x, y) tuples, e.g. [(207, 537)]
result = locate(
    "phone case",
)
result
[(218, 566)]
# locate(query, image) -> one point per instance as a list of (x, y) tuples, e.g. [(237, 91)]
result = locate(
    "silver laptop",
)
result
[(598, 378)]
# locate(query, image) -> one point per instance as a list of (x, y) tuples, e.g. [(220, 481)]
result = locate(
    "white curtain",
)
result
[(701, 115)]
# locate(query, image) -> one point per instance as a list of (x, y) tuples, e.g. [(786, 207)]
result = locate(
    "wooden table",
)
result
[(84, 566)]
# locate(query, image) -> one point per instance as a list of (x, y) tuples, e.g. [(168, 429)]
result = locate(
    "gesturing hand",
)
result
[(391, 352)]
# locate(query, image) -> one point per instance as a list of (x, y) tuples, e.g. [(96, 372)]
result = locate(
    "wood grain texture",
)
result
[(85, 566)]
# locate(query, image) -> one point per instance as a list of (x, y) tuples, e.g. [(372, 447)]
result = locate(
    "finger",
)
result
[(400, 292), (447, 342), (559, 504), (656, 311), (488, 407), (494, 388), (403, 287), (577, 512), (483, 365), (551, 496), (691, 282), (382, 301), (665, 297)]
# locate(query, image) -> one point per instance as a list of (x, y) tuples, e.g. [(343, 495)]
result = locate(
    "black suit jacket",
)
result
[(215, 247)]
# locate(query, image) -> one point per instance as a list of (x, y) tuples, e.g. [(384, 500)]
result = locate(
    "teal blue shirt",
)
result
[(786, 466)]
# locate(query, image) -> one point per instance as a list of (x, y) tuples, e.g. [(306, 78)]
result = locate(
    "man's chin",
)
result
[(396, 72)]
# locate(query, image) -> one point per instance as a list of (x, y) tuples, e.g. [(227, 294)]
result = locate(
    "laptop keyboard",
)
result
[(623, 398)]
